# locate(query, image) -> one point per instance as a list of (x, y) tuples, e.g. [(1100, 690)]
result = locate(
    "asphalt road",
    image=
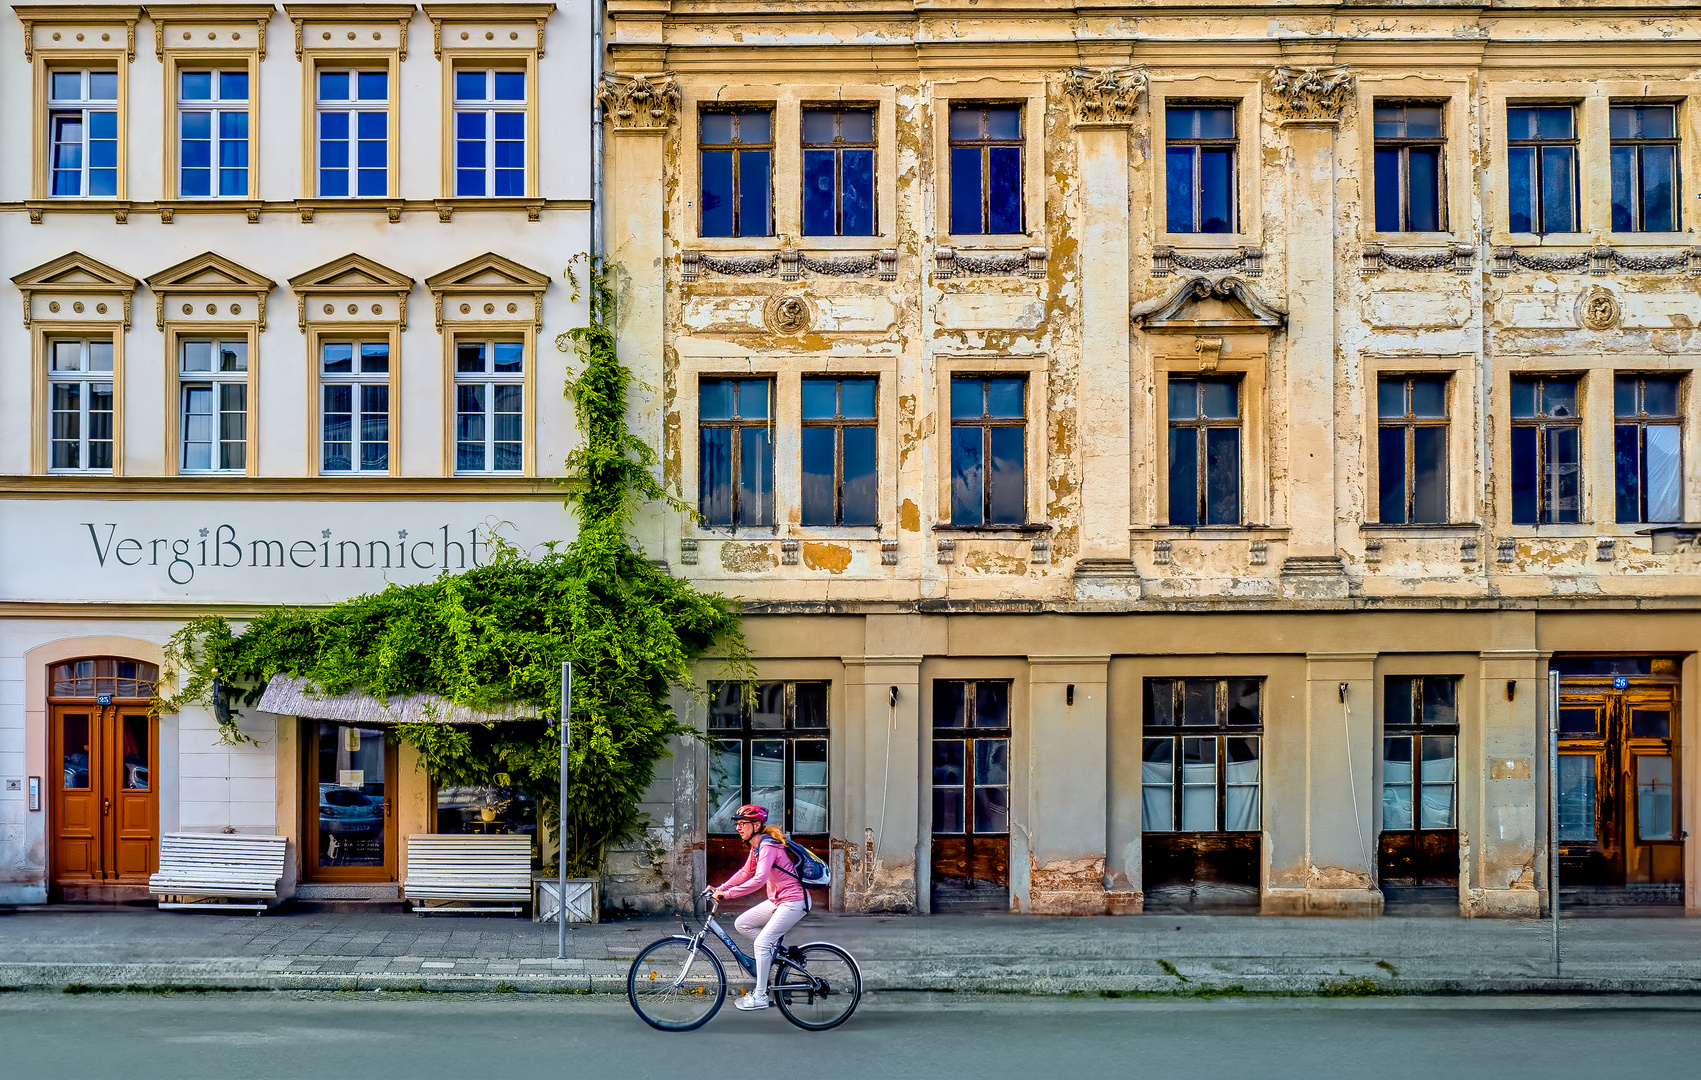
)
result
[(375, 1036)]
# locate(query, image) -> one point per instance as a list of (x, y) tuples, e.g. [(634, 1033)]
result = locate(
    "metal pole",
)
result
[(561, 822), (1553, 810), (596, 133)]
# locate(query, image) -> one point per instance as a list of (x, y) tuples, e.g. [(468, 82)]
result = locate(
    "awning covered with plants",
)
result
[(288, 695)]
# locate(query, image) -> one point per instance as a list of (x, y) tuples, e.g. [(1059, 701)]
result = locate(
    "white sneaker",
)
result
[(751, 1002)]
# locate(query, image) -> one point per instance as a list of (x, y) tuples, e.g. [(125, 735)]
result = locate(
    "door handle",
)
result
[(106, 807)]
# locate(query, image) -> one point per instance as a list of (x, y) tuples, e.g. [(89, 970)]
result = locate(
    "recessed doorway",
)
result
[(350, 803)]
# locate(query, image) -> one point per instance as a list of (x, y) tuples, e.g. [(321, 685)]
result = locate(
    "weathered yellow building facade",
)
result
[(1106, 594)]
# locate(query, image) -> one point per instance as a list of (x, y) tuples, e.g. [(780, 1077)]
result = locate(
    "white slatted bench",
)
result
[(447, 869), (220, 871)]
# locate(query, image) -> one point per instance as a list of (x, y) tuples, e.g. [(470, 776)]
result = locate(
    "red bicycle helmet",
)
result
[(752, 812)]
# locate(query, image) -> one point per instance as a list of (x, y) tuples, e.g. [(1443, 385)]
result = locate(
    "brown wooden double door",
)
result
[(105, 799), (970, 865), (1619, 790)]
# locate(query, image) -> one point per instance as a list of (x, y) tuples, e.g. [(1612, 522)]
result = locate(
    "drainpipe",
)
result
[(596, 132)]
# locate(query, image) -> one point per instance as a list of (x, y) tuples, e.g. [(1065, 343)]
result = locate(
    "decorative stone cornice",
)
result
[(346, 17), (169, 16), (487, 16), (72, 276), (30, 16), (1309, 94), (637, 102), (1104, 95)]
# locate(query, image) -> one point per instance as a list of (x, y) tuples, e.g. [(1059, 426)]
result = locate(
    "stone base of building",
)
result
[(23, 894), (1124, 902), (1343, 903), (1503, 904)]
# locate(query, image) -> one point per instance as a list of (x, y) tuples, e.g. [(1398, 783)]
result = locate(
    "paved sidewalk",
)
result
[(53, 949)]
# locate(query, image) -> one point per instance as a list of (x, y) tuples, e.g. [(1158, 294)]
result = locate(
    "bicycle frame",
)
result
[(745, 960)]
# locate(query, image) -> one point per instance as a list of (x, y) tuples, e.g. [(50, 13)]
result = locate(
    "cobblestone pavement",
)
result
[(50, 947)]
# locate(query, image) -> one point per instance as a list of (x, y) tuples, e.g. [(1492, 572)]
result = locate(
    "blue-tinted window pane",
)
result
[(861, 495), (756, 476), (334, 125), (1521, 184), (1222, 476), (1525, 478), (1429, 475), (965, 123), (510, 127), (968, 399), (1627, 469), (857, 197), (1553, 122), (1559, 397), (817, 470), (714, 401), (233, 86), (103, 86), (716, 195), (1424, 172), (196, 85), (1387, 190), (1183, 399), (1624, 188), (753, 127), (1659, 182), (715, 128), (1523, 398), (373, 125), (338, 358), (1004, 123), (753, 202), (967, 477), (1659, 397), (856, 399), (333, 183), (753, 398), (1004, 398), (1391, 475), (1008, 477), (510, 86), (1558, 209), (509, 357), (67, 86), (1391, 397), (818, 193), (333, 86), (373, 85), (1216, 191), (819, 399), (714, 498), (966, 216), (1220, 399), (1004, 203), (1662, 472), (1561, 480), (1184, 476), (470, 86), (1178, 189)]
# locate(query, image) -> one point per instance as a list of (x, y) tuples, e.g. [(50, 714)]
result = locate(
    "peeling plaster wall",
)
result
[(1311, 581)]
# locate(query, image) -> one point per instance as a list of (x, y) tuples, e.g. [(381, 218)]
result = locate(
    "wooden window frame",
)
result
[(838, 423), (1201, 424), (1404, 144), (1675, 141), (986, 143), (1575, 142), (986, 424), (837, 148), (1543, 423), (738, 148), (1641, 420), (1408, 423), (1198, 143), (736, 425)]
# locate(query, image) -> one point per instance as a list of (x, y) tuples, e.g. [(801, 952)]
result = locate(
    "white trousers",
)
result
[(766, 922)]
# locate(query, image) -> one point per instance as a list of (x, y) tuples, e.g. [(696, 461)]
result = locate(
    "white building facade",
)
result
[(284, 286)]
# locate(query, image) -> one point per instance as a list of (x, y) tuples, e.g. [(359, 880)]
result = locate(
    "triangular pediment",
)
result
[(489, 272), (1201, 304), (75, 272), (352, 273), (210, 272)]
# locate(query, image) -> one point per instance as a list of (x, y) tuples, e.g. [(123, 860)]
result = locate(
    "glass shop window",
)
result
[(1420, 737), (1200, 757), (769, 747)]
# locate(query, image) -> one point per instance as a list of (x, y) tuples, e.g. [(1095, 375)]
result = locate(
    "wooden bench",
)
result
[(449, 870), (222, 871)]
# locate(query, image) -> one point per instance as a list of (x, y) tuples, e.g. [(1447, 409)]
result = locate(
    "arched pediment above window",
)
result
[(1201, 304)]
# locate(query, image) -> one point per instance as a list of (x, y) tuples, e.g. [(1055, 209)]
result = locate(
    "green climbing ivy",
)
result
[(498, 633)]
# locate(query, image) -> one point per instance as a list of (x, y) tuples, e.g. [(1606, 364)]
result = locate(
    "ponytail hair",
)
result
[(773, 832)]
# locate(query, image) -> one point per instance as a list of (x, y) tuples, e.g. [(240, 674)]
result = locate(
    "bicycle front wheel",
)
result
[(824, 994), (675, 987)]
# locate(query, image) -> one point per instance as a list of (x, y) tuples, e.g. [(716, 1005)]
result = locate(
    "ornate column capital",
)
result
[(1313, 95), (1104, 95), (638, 102)]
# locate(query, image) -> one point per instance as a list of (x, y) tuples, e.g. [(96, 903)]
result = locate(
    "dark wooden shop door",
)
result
[(971, 795), (105, 803)]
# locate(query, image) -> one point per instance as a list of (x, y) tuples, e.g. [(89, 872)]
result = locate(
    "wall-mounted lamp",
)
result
[(1511, 689), (1069, 694), (892, 697), (1343, 693)]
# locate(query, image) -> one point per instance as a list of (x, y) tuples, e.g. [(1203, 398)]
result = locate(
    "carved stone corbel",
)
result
[(1104, 95), (1313, 95), (639, 102)]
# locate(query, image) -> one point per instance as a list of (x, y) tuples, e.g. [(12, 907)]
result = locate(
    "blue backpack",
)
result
[(806, 866)]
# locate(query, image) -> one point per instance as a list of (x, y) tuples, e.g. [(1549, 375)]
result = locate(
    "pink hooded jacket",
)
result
[(763, 867)]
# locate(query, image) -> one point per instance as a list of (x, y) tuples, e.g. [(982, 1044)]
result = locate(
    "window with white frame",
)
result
[(490, 133), (212, 129), (79, 404), (354, 133), (82, 128), (354, 395), (214, 390), (490, 395)]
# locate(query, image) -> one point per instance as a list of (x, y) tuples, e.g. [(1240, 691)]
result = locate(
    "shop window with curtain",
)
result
[(768, 746), (1419, 845)]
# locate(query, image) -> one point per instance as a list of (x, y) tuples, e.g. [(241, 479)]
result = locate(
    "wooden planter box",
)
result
[(584, 896)]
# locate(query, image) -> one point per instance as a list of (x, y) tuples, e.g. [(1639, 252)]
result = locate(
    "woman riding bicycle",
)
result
[(768, 864)]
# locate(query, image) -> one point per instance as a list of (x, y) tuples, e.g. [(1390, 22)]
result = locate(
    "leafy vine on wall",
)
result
[(498, 633)]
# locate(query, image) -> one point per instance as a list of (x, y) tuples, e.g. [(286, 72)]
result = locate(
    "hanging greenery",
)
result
[(499, 632)]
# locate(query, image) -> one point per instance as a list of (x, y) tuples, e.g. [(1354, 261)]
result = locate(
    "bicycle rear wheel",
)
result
[(675, 988), (824, 994)]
